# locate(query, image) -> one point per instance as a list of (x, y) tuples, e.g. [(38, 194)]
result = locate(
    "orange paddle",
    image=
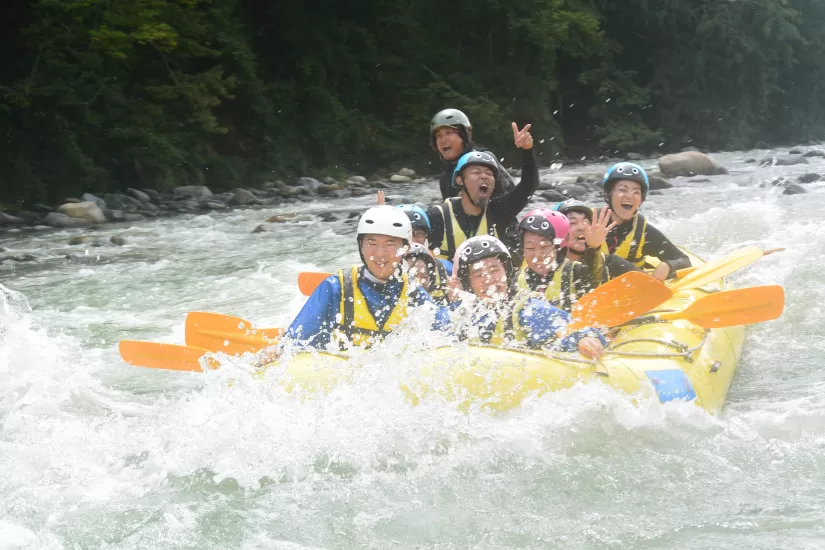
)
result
[(231, 335), (164, 356), (308, 281)]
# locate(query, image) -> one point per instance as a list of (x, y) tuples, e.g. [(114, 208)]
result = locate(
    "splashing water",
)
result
[(96, 453)]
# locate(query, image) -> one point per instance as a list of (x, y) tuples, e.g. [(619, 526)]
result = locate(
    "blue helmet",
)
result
[(418, 217), (476, 157), (625, 171)]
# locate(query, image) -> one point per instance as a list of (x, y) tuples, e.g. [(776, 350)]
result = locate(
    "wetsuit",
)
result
[(501, 212), (571, 280), (509, 235), (321, 315), (633, 240), (530, 321)]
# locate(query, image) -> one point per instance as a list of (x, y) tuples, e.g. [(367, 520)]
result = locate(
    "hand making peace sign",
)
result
[(522, 137), (596, 232)]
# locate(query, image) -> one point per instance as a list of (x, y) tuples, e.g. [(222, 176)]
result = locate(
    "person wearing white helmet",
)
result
[(476, 211), (362, 304), (500, 316)]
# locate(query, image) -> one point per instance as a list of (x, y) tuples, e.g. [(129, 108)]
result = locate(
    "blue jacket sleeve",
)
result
[(441, 320), (543, 321), (448, 265), (315, 321)]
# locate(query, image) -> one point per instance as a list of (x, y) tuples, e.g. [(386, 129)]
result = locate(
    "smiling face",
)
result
[(575, 239), (449, 143), (382, 254), (478, 183), (488, 279), (539, 253), (625, 199)]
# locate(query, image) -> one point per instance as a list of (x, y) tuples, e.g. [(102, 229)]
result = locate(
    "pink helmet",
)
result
[(560, 223)]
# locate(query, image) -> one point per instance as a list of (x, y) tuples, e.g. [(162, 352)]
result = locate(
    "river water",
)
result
[(98, 454)]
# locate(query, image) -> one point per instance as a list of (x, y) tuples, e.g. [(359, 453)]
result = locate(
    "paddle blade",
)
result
[(622, 299), (742, 306), (163, 356), (231, 335), (721, 267), (308, 281)]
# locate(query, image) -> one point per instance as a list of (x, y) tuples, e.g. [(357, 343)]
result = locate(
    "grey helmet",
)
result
[(452, 118)]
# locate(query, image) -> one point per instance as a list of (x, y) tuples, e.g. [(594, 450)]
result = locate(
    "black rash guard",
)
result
[(656, 245), (501, 211)]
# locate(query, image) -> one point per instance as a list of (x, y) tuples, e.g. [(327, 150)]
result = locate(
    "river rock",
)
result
[(242, 197), (750, 161), (192, 192), (88, 197), (329, 181), (268, 185), (139, 195), (310, 184), (215, 205), (260, 229), (133, 217), (553, 195), (117, 241), (331, 189), (793, 189), (357, 180), (409, 172), (795, 152), (19, 258), (814, 153), (119, 201), (79, 239), (8, 219), (381, 185), (657, 181), (83, 210), (634, 156), (783, 160), (398, 178), (809, 178), (690, 163), (153, 194), (62, 221), (281, 218), (690, 149)]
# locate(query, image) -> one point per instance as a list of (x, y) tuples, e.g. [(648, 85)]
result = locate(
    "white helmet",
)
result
[(385, 220)]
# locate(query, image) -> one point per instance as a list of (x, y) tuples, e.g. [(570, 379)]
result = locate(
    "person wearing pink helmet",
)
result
[(545, 270)]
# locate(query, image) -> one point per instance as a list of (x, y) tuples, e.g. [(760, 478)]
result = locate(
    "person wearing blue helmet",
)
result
[(476, 211), (420, 222), (625, 188)]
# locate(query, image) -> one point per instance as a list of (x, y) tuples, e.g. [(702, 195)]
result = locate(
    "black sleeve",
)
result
[(617, 266), (445, 182), (436, 234), (583, 274), (506, 180), (504, 209), (656, 244)]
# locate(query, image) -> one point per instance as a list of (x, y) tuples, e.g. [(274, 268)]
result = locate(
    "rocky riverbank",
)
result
[(90, 212)]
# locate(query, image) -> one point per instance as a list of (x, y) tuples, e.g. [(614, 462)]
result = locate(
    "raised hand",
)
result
[(522, 137), (380, 199), (596, 232)]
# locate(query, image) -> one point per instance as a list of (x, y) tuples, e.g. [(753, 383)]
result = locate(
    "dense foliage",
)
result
[(107, 94)]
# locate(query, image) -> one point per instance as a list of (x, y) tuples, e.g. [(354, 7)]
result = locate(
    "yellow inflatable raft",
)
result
[(666, 360)]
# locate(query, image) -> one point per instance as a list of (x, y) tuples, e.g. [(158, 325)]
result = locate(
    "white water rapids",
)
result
[(98, 454)]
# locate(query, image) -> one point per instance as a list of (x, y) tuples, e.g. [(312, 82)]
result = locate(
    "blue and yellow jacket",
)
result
[(350, 306)]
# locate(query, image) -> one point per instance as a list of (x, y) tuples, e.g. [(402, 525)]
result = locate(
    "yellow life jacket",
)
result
[(354, 320), (631, 248), (453, 234), (561, 290), (438, 286)]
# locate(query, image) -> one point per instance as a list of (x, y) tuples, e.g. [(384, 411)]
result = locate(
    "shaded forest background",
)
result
[(101, 95)]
